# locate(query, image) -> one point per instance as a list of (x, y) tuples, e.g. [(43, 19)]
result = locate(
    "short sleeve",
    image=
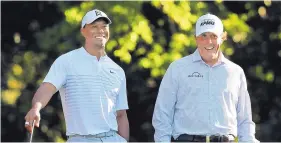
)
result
[(57, 73), (122, 101)]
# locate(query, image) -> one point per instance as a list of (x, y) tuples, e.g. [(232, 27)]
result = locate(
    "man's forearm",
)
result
[(43, 96), (123, 126)]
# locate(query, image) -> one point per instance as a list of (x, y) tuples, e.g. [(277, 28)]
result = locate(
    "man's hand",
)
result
[(40, 100), (32, 117)]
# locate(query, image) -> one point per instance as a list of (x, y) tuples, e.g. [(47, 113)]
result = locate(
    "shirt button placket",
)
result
[(98, 74), (210, 83), (210, 93), (99, 67)]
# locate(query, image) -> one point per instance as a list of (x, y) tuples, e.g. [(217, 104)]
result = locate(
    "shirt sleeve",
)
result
[(122, 101), (246, 127), (57, 73), (164, 108)]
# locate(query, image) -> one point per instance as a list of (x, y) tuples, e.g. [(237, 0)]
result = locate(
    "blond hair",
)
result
[(224, 36)]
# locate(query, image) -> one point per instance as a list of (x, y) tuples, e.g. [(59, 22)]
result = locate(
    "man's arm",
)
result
[(121, 107), (39, 101), (163, 114), (53, 81), (123, 124), (245, 125)]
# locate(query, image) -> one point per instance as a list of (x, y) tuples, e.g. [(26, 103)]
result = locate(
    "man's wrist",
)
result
[(37, 106)]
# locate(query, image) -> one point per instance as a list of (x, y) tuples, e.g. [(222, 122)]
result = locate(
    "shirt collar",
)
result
[(196, 57), (85, 53), (222, 58)]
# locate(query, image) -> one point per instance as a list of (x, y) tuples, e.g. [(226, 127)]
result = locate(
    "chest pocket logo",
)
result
[(196, 74), (111, 85), (111, 80)]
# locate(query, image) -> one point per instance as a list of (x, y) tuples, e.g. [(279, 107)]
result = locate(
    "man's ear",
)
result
[(224, 36), (220, 40), (82, 30)]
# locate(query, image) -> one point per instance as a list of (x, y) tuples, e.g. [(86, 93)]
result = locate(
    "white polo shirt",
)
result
[(91, 91)]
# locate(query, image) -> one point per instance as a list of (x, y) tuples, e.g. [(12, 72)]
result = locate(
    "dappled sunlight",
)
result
[(143, 29), (236, 27), (258, 71), (73, 16), (157, 48), (269, 76), (140, 51), (179, 42), (179, 13), (219, 1), (17, 70), (120, 9), (229, 51), (17, 38), (87, 5), (267, 3), (15, 84), (239, 37), (262, 11), (155, 72), (110, 45), (145, 63), (10, 96), (175, 56)]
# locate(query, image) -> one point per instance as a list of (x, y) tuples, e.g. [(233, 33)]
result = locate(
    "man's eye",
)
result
[(214, 36), (204, 35)]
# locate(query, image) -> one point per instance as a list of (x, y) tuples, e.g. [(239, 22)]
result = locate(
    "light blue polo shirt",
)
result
[(91, 91), (198, 99)]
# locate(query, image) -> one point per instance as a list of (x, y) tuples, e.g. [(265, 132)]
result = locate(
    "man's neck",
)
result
[(212, 62), (95, 51)]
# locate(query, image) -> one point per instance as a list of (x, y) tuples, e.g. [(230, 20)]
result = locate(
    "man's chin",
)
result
[(100, 45)]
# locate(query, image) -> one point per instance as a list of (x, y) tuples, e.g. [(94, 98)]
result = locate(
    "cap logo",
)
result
[(98, 13), (208, 22)]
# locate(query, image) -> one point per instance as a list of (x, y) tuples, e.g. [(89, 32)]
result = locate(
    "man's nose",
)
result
[(101, 30), (209, 40)]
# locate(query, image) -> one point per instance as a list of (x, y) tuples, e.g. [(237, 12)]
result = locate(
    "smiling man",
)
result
[(92, 88), (203, 96)]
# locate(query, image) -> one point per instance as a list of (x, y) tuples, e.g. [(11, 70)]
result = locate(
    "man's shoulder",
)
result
[(184, 61), (72, 52), (68, 54), (233, 66)]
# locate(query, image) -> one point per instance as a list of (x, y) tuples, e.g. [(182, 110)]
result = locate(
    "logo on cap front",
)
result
[(98, 13), (208, 22)]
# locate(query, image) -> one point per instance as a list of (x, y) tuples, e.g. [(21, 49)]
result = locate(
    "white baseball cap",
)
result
[(93, 15), (209, 23)]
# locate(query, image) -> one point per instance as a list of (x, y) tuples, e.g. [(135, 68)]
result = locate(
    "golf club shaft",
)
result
[(31, 134)]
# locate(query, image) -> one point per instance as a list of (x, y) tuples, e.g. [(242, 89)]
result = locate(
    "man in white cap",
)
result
[(203, 96), (92, 88)]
